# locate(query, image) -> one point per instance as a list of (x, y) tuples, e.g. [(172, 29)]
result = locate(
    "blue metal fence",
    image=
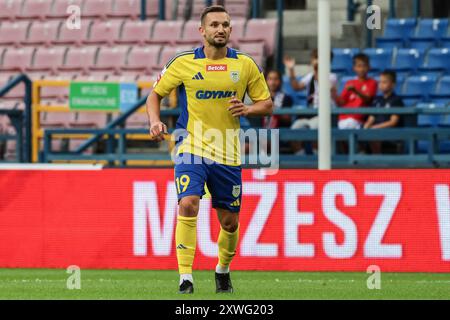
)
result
[(21, 121)]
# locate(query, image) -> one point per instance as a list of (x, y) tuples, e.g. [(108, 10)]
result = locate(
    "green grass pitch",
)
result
[(132, 284)]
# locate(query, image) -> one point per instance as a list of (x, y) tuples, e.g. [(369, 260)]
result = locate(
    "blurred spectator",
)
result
[(357, 93), (388, 99), (311, 84), (280, 100)]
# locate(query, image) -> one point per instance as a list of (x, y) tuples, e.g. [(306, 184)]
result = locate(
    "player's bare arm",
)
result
[(259, 108), (157, 128)]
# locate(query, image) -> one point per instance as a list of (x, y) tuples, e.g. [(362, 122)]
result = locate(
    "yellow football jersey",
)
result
[(204, 88)]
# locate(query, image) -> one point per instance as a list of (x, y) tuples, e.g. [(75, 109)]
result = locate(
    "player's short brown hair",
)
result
[(215, 8), (364, 58)]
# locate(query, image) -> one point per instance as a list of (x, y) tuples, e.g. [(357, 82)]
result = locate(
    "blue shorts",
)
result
[(223, 182)]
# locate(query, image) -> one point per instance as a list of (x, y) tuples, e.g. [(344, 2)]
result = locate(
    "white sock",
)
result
[(220, 269), (186, 276)]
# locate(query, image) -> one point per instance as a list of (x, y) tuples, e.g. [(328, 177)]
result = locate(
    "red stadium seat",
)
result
[(137, 120), (255, 50), (96, 9), (42, 33), (17, 59), (152, 8), (167, 54), (110, 59), (90, 120), (9, 9), (136, 32), (35, 9), (130, 9), (104, 32), (238, 31), (13, 33), (166, 32), (262, 30), (238, 8), (48, 59), (79, 60), (57, 119), (73, 36), (52, 92), (124, 78), (143, 59), (60, 8), (191, 35)]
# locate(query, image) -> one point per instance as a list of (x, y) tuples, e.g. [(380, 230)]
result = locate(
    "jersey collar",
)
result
[(199, 53)]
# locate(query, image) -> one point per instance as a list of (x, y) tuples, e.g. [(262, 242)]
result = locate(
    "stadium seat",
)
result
[(262, 30), (96, 9), (79, 59), (57, 119), (191, 34), (60, 8), (167, 54), (136, 32), (89, 120), (437, 60), (57, 94), (104, 32), (430, 30), (166, 32), (130, 9), (419, 87), (13, 33), (9, 9), (137, 120), (428, 120), (255, 50), (110, 59), (17, 59), (42, 33), (380, 59), (238, 31), (73, 36), (343, 59), (442, 89), (238, 8), (143, 59), (152, 9), (408, 59), (48, 59), (396, 31), (35, 9)]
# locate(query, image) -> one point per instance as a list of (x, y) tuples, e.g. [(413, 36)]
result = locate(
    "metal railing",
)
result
[(20, 120), (116, 151)]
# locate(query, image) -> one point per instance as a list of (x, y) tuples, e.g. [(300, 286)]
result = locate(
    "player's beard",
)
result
[(216, 44)]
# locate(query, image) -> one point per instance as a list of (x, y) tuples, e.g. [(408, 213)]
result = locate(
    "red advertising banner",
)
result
[(303, 220)]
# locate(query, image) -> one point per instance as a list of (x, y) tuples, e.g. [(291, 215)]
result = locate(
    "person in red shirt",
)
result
[(357, 93)]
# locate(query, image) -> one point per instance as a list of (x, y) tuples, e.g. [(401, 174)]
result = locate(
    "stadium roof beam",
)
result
[(324, 39)]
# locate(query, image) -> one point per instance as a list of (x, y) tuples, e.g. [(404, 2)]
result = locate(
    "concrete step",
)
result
[(306, 16), (334, 4)]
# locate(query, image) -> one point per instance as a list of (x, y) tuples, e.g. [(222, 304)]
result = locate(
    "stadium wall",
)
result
[(301, 220)]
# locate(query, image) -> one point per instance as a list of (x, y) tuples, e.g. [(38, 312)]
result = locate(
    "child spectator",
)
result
[(357, 93), (388, 99)]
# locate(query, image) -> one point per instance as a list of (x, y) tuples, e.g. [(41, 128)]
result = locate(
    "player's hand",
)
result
[(351, 88), (289, 62), (237, 108), (158, 130)]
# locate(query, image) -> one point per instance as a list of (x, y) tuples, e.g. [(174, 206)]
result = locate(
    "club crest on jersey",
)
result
[(234, 76), (236, 191), (216, 67)]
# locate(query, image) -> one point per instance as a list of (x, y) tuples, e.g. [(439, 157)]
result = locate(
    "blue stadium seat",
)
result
[(408, 59), (398, 86), (437, 59), (388, 43), (442, 93), (419, 87), (343, 59), (429, 73), (397, 30), (445, 42), (430, 29), (380, 59), (298, 96), (427, 120), (428, 33)]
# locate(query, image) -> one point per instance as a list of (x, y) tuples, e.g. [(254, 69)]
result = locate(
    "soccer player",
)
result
[(212, 81)]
